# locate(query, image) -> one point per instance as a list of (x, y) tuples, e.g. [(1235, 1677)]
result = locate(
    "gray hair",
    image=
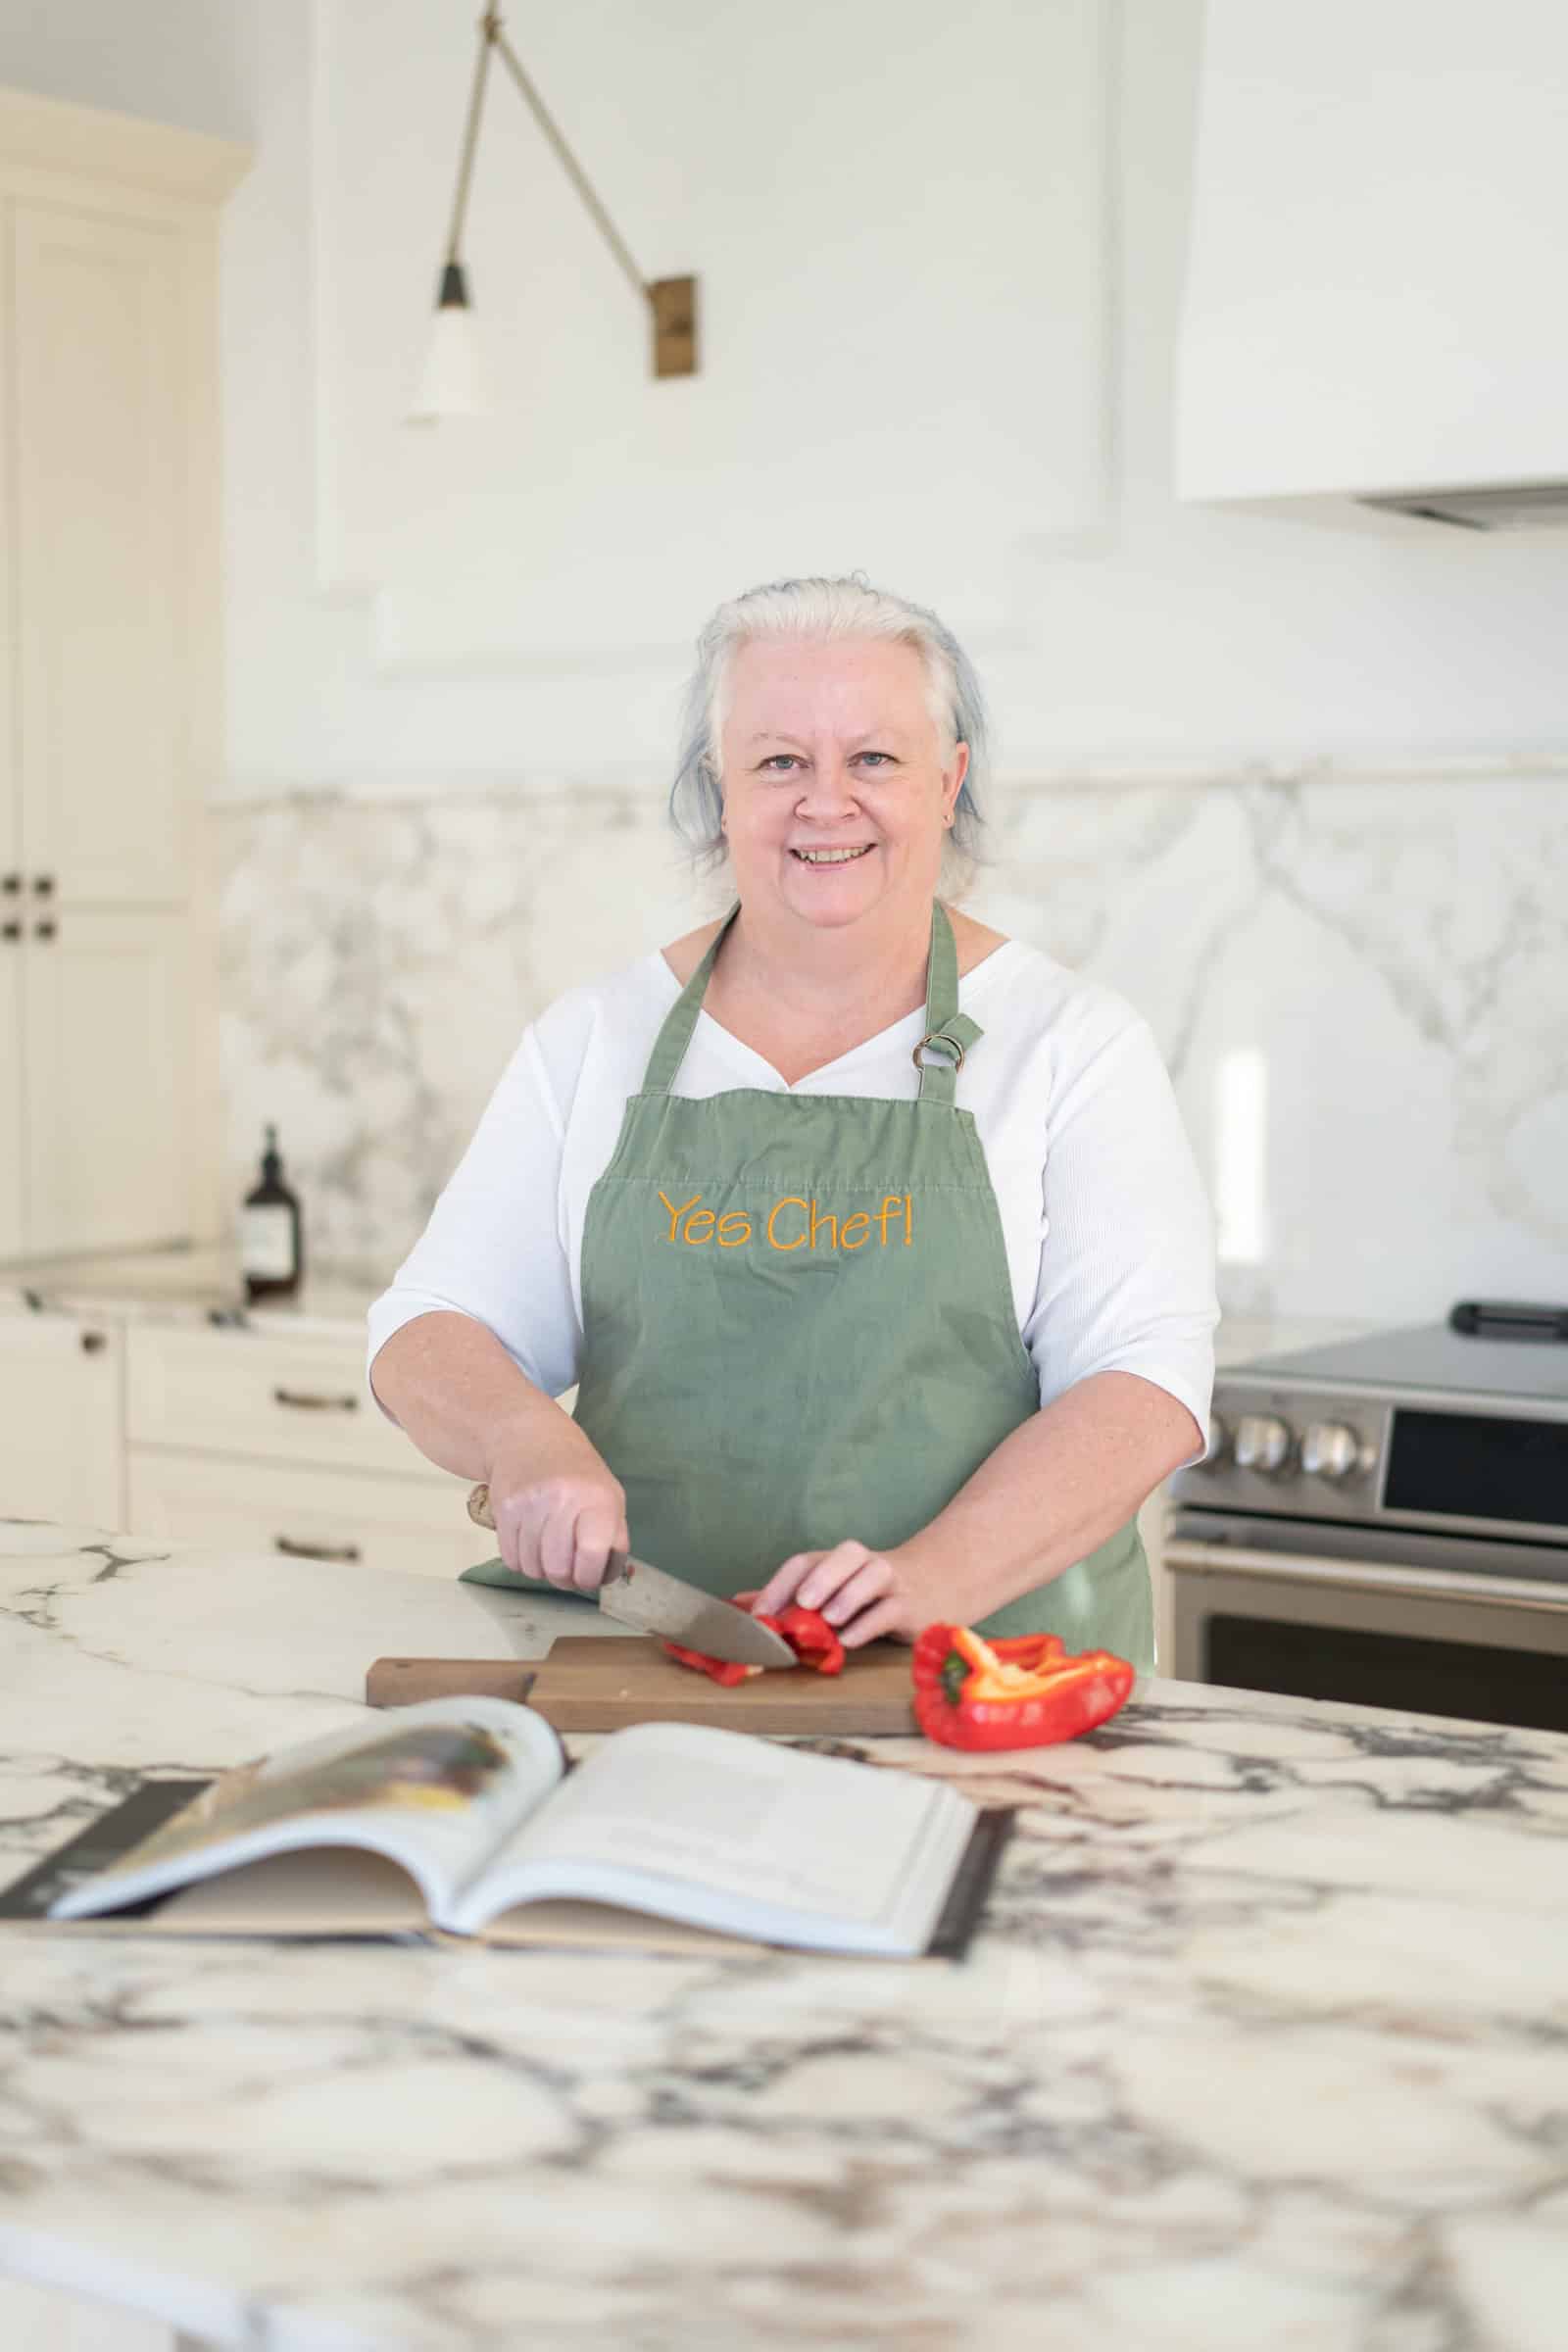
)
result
[(820, 610)]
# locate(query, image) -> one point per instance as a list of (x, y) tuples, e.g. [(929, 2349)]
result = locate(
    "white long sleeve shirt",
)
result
[(1108, 1235)]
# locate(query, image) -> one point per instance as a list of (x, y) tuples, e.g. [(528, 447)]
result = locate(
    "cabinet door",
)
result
[(107, 1019), (101, 540), (59, 1420), (13, 1231)]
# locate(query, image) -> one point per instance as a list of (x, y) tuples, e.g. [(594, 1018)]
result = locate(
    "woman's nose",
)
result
[(827, 784)]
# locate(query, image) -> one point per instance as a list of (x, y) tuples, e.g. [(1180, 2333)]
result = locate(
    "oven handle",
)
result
[(1313, 1568)]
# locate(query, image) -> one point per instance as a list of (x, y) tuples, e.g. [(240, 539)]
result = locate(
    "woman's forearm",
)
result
[(456, 1391), (1063, 1482)]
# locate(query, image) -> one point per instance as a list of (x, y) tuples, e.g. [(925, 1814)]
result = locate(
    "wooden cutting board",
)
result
[(604, 1683)]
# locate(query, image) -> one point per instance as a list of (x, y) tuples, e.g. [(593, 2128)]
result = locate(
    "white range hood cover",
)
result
[(1375, 297)]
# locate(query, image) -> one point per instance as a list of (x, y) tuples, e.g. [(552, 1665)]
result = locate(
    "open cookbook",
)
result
[(462, 1816)]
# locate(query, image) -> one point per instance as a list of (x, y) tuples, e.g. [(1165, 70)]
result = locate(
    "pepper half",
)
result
[(1026, 1692)]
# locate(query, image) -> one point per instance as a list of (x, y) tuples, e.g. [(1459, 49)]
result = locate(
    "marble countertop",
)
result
[(1264, 2042), (199, 1285)]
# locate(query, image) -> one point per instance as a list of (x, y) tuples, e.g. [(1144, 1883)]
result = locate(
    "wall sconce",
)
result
[(449, 385)]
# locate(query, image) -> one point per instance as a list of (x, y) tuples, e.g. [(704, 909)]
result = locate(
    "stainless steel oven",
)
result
[(1385, 1521)]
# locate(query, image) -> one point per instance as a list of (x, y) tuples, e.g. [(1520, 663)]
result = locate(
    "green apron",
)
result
[(799, 1326)]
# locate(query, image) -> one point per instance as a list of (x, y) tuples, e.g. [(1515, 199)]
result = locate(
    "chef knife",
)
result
[(637, 1595)]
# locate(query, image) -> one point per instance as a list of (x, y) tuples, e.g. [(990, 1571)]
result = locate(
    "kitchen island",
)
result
[(1265, 2042)]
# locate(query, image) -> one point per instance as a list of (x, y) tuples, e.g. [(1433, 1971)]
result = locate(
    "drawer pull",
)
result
[(303, 1401), (314, 1552)]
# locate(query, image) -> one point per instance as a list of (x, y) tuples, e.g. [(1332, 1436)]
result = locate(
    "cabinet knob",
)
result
[(10, 930), (314, 1552), (43, 886), (93, 1342), (10, 884), (45, 930)]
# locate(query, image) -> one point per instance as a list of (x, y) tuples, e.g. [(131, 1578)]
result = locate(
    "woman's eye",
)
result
[(883, 756), (775, 758)]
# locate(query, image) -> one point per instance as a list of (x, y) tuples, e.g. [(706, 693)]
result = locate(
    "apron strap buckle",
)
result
[(953, 1040)]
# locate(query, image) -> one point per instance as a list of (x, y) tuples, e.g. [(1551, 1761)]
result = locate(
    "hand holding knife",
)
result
[(635, 1594)]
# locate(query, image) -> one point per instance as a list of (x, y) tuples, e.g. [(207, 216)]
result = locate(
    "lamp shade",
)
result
[(452, 382)]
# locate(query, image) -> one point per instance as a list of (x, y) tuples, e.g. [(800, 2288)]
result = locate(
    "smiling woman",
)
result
[(870, 1238)]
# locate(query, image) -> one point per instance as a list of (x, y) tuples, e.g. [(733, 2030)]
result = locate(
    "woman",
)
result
[(870, 1238)]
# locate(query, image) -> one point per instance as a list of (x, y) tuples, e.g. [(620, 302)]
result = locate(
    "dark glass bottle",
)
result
[(271, 1239)]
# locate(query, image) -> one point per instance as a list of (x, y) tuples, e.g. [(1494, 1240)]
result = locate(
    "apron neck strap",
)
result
[(948, 1032), (669, 1046)]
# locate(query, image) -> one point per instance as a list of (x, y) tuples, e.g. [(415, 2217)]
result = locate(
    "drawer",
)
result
[(417, 1524), (247, 1391)]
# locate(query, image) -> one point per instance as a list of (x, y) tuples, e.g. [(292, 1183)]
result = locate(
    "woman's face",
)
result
[(831, 748)]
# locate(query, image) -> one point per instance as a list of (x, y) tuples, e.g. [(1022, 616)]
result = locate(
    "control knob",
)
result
[(1262, 1443), (1329, 1450)]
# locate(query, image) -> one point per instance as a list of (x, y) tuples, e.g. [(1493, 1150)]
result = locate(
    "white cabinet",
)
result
[(253, 1438), (1372, 298), (101, 553), (408, 1522), (264, 1441), (11, 1129), (61, 1451), (109, 1038), (110, 597)]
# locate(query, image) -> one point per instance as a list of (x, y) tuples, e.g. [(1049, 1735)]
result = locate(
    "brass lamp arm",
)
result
[(471, 140), (492, 37), (573, 168)]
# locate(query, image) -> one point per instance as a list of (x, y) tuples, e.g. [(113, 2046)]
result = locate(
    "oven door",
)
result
[(1420, 1639)]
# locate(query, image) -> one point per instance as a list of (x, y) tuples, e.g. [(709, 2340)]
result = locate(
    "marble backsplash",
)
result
[(1359, 982)]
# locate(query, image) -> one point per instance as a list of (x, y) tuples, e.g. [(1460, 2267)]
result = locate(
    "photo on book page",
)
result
[(461, 1776)]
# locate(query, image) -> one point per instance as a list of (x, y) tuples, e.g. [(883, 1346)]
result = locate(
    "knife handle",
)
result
[(616, 1567)]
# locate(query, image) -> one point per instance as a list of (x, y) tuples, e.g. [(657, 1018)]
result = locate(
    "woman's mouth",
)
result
[(832, 856)]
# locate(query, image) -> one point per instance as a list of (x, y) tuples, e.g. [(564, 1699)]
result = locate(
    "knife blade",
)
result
[(636, 1594)]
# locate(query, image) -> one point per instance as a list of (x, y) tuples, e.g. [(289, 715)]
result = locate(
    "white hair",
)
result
[(819, 610)]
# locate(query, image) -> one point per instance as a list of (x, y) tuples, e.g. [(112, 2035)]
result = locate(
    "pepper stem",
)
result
[(978, 1653)]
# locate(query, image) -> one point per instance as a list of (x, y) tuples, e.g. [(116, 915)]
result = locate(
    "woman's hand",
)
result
[(863, 1595), (558, 1517)]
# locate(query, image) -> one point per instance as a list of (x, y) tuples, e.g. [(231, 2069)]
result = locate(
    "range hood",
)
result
[(1374, 305), (1509, 506)]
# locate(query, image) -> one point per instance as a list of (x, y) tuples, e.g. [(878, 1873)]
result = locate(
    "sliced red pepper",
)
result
[(807, 1631), (1025, 1691), (727, 1671), (811, 1637)]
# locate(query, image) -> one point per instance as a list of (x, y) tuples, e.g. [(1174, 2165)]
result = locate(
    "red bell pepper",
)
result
[(807, 1631), (1022, 1693)]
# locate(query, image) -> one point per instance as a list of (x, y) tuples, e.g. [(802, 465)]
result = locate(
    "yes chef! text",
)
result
[(792, 1223)]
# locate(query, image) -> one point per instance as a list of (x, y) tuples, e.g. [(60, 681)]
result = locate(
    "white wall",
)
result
[(496, 600), (370, 647)]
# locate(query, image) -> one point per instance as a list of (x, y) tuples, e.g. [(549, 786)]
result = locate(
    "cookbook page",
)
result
[(435, 1787), (736, 1832)]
